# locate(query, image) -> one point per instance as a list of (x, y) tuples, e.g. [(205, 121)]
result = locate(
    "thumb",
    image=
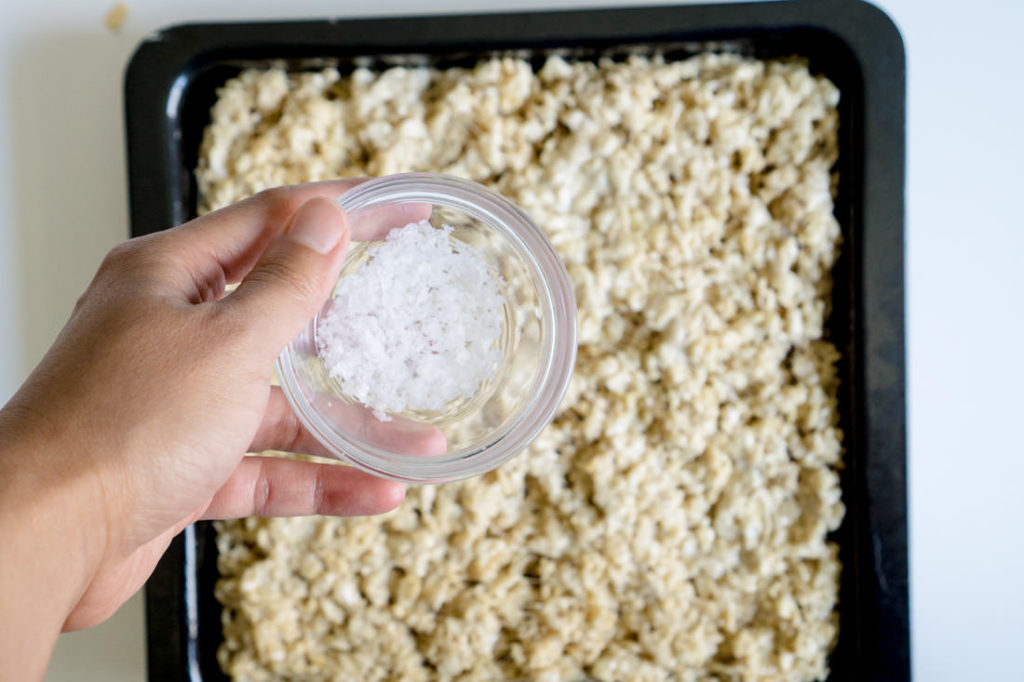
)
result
[(295, 274)]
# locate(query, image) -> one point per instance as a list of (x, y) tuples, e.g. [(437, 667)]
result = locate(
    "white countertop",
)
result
[(63, 204)]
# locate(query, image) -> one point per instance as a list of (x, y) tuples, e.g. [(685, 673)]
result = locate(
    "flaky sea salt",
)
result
[(417, 326)]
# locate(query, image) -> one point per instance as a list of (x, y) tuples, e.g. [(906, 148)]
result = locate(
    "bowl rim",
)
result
[(557, 307)]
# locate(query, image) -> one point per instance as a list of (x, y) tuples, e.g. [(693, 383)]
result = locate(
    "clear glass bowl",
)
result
[(473, 434)]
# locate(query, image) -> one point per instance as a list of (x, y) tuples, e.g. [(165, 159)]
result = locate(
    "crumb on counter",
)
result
[(671, 523), (115, 16)]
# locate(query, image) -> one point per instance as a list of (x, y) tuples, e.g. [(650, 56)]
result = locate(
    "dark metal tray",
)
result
[(171, 83)]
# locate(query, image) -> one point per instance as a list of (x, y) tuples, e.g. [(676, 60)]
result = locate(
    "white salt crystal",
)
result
[(417, 326)]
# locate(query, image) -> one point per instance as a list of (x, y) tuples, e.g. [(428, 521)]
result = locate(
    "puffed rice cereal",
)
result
[(671, 523)]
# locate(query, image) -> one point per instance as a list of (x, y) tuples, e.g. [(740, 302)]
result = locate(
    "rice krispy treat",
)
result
[(671, 522)]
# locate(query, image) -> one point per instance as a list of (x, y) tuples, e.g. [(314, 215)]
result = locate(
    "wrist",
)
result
[(50, 491), (52, 541)]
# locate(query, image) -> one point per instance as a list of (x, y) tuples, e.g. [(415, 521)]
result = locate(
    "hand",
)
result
[(136, 422)]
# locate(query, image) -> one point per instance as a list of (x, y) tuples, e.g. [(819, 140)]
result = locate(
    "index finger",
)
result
[(269, 486)]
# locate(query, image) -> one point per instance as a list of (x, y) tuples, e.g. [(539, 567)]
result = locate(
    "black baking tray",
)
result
[(171, 83)]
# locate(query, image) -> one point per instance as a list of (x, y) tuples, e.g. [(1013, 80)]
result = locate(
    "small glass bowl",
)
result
[(473, 434)]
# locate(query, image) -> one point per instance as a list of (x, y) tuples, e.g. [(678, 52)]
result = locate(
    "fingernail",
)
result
[(318, 225)]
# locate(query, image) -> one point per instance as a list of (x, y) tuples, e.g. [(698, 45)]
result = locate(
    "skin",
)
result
[(137, 421)]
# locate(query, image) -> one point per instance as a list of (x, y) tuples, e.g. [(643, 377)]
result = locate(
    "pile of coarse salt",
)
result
[(417, 326)]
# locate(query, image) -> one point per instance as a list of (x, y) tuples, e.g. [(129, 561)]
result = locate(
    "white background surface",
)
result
[(63, 204)]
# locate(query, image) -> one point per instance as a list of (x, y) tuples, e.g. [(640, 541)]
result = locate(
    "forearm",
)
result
[(46, 545), (32, 587)]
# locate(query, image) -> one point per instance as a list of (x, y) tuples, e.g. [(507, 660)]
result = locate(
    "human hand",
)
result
[(136, 422)]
